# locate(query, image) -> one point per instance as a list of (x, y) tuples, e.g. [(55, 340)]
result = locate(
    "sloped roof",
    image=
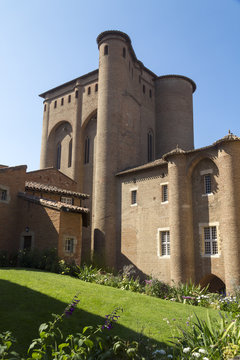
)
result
[(57, 205), (31, 185), (149, 165)]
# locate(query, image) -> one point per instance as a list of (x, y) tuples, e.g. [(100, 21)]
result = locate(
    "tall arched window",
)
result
[(86, 150), (150, 145), (70, 153), (106, 50), (59, 149)]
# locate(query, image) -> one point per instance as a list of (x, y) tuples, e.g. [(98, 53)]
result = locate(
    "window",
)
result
[(150, 145), (70, 153), (164, 243), (67, 200), (89, 90), (59, 148), (96, 87), (124, 52), (27, 242), (132, 73), (3, 194), (210, 240), (86, 150), (62, 101), (76, 94), (106, 50), (69, 98), (45, 107), (164, 192), (139, 79), (150, 93), (207, 184), (144, 89), (69, 245), (55, 104), (134, 197)]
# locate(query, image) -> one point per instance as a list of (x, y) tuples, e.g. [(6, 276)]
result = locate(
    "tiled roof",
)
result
[(30, 185), (149, 165), (57, 205)]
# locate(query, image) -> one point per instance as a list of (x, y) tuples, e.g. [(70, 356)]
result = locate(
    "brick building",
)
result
[(39, 216), (125, 136)]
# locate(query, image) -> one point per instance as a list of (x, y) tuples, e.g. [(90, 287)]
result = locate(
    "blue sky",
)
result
[(44, 43)]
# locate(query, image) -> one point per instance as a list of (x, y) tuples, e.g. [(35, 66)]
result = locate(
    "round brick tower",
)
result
[(113, 77), (174, 113)]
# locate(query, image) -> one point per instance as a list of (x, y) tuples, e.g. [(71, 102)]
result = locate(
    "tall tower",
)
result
[(112, 139), (174, 113)]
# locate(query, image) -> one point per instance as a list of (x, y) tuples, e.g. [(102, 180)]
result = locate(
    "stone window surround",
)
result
[(162, 194), (131, 193), (202, 242), (159, 242), (203, 173), (27, 233), (6, 188), (65, 239)]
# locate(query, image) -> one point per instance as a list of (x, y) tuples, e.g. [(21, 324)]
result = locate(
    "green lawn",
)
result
[(28, 298)]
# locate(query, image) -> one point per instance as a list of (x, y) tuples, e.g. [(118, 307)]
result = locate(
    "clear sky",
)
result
[(44, 43)]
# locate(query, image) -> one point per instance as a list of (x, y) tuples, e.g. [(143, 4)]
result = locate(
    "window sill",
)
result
[(164, 256), (206, 195), (211, 256), (134, 204), (164, 202)]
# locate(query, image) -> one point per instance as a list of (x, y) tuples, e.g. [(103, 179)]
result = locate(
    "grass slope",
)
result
[(28, 298)]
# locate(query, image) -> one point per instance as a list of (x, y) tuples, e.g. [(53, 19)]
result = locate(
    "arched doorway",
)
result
[(214, 283)]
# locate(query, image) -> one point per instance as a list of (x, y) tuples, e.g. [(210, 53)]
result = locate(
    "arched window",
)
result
[(124, 52), (150, 145), (96, 87), (70, 153), (86, 150), (59, 148), (106, 50), (89, 90)]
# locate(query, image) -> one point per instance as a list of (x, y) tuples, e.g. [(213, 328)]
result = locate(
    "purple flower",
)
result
[(71, 307), (111, 318)]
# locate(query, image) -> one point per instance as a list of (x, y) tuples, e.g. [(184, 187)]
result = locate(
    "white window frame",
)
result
[(134, 190), (72, 249), (163, 185), (67, 200), (160, 243), (202, 227)]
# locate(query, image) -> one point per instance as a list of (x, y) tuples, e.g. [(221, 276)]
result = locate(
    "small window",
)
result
[(55, 104), (70, 153), (3, 194), (69, 98), (164, 193), (67, 200), (96, 87), (59, 149), (150, 93), (106, 50), (139, 79), (150, 145), (89, 90), (69, 245), (86, 150), (132, 73), (27, 242), (76, 94), (45, 107), (210, 240), (144, 89), (129, 66), (134, 197), (62, 101), (165, 243), (207, 184), (124, 52)]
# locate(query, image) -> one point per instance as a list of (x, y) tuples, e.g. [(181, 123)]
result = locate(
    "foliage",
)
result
[(211, 339)]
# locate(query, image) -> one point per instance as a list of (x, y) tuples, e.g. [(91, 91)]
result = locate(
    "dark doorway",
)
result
[(27, 242), (214, 283)]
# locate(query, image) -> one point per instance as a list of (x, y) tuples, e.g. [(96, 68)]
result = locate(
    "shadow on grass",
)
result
[(22, 310)]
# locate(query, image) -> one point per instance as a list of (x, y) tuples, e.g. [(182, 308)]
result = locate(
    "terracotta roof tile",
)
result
[(149, 165), (31, 185), (57, 205)]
